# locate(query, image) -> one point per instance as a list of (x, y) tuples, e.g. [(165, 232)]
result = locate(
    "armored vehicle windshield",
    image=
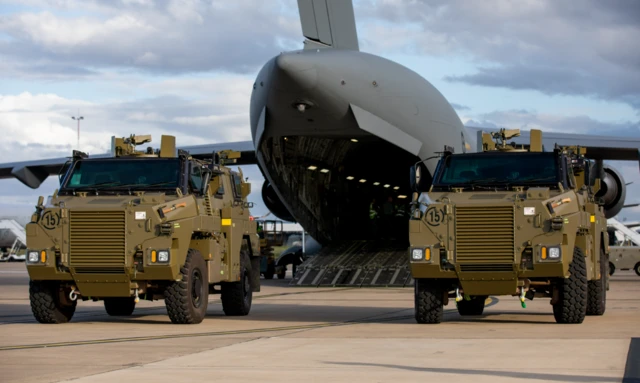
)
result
[(111, 174), (498, 169)]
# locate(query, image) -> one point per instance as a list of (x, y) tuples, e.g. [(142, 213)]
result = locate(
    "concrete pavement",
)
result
[(320, 334)]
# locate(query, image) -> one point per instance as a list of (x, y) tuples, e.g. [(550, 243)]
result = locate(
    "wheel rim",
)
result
[(196, 288)]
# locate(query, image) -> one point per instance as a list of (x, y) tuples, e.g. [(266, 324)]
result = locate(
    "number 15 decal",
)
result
[(434, 216)]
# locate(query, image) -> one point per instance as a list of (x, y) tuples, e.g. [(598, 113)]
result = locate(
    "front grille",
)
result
[(485, 237), (489, 267), (99, 270), (97, 241)]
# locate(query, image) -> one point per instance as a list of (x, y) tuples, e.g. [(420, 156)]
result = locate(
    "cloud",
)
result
[(39, 125), (195, 110), (586, 49), (164, 37), (459, 107)]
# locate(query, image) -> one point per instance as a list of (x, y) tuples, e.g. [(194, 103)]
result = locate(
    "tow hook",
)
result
[(458, 296), (137, 298), (524, 305), (73, 295)]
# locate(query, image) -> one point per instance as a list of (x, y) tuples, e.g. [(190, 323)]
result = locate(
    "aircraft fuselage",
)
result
[(329, 123)]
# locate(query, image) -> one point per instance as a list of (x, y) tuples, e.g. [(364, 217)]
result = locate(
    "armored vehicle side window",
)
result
[(103, 174), (499, 169), (195, 178), (237, 186)]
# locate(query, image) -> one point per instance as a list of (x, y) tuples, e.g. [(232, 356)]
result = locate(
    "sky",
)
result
[(186, 68)]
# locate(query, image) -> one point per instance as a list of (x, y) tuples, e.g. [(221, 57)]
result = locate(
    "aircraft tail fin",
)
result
[(328, 24)]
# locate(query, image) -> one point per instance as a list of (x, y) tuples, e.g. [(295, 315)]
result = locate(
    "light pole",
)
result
[(78, 119)]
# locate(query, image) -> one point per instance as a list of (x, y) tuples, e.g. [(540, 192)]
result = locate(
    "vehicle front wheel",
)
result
[(571, 306), (120, 306), (637, 268), (475, 306), (49, 303), (236, 296), (186, 300), (428, 304)]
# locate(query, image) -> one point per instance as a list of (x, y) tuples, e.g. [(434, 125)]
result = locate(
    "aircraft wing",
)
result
[(33, 173), (549, 139), (599, 147)]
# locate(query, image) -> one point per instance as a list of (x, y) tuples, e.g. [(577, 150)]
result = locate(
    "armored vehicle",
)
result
[(151, 224), (511, 220)]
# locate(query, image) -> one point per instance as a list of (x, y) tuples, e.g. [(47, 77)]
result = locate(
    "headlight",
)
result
[(33, 257), (416, 254), (421, 254), (163, 256), (160, 256), (550, 253)]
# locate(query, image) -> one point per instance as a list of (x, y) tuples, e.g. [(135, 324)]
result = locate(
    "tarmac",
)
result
[(319, 335)]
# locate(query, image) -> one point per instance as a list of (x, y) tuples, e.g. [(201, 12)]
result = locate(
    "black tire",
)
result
[(282, 273), (47, 304), (475, 306), (597, 300), (636, 268), (612, 268), (187, 300), (236, 297), (120, 306), (428, 305), (271, 270), (572, 302)]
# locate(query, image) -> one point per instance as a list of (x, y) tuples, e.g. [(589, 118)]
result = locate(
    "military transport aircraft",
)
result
[(333, 127)]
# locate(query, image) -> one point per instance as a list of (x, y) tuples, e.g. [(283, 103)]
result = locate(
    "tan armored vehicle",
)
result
[(515, 221), (153, 224)]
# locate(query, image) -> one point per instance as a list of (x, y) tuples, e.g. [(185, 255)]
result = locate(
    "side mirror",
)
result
[(415, 177), (206, 177)]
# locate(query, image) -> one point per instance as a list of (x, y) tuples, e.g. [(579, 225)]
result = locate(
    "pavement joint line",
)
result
[(214, 298), (365, 320), (201, 334)]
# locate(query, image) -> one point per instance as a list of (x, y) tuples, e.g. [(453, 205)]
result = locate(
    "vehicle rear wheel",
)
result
[(571, 306), (49, 304), (428, 304), (636, 268), (598, 289), (236, 297), (187, 300), (120, 306), (475, 306)]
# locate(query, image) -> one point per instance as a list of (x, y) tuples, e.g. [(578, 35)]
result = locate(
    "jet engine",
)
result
[(273, 203), (612, 190)]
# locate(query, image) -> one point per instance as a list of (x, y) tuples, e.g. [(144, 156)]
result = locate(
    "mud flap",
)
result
[(255, 274)]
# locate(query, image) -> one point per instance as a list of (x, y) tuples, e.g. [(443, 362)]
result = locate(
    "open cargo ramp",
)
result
[(356, 264)]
